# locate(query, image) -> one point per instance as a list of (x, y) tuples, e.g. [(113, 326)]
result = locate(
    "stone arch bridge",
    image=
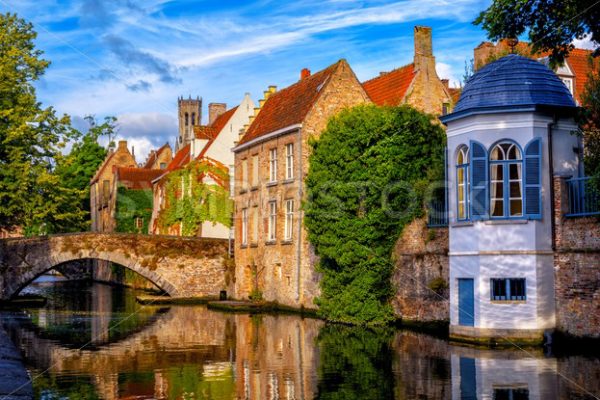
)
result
[(182, 267)]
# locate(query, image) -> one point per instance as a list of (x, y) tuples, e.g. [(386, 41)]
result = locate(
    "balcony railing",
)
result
[(437, 214), (584, 197)]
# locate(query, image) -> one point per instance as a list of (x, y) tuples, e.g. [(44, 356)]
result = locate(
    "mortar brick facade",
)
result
[(284, 269)]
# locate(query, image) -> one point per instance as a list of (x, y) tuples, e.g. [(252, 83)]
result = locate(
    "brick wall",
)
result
[(576, 269), (420, 276)]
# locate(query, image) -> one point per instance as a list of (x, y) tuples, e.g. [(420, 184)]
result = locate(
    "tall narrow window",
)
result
[(289, 161), (289, 219), (244, 174), (244, 226), (272, 165), (255, 170), (506, 191), (193, 119), (272, 226), (187, 122), (462, 182), (254, 224)]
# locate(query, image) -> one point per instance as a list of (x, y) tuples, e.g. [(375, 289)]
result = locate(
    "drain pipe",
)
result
[(299, 239), (551, 172)]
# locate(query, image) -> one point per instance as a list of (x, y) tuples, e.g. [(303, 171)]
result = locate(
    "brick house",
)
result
[(211, 146), (271, 160), (159, 159), (417, 83)]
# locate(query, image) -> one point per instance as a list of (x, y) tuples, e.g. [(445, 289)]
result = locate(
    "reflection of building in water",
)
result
[(276, 357), (502, 375), (102, 308)]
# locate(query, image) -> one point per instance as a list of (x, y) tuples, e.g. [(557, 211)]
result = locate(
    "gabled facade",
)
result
[(102, 188), (416, 84), (272, 252), (159, 159)]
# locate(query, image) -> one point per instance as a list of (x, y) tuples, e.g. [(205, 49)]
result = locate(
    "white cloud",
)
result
[(586, 43), (445, 71)]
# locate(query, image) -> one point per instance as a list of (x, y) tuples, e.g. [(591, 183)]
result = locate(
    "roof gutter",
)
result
[(266, 137)]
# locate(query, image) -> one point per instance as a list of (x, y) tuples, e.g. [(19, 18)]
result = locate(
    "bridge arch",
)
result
[(182, 267)]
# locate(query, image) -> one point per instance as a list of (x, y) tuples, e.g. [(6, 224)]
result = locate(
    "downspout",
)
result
[(551, 172), (300, 217)]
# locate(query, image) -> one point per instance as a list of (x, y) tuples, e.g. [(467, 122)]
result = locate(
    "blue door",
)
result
[(466, 302)]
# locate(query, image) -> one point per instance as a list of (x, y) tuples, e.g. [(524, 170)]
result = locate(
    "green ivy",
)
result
[(190, 201), (369, 176), (132, 204)]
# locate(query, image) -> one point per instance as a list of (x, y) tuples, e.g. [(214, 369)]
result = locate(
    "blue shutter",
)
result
[(533, 179), (479, 181)]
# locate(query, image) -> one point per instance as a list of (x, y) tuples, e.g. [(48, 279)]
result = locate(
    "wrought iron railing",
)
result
[(437, 214), (584, 197)]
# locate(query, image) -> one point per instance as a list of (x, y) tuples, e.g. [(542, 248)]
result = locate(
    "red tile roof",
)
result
[(154, 156), (219, 123), (390, 87), (579, 61), (137, 178), (205, 132), (181, 158), (289, 106)]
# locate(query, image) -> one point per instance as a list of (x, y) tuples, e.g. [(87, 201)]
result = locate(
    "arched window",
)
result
[(506, 181), (462, 183), (187, 122)]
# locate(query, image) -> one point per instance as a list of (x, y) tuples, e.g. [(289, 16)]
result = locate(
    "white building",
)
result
[(509, 135)]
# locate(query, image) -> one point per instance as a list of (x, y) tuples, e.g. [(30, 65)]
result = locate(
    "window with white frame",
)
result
[(272, 225), (254, 224), (506, 191), (507, 289), (462, 182), (255, 170), (289, 161), (289, 219), (244, 226), (568, 83), (244, 174), (139, 223), (272, 165)]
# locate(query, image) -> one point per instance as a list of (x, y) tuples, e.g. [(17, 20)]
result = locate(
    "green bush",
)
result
[(368, 177)]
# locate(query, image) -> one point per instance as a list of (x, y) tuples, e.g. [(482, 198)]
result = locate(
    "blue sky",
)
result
[(133, 58)]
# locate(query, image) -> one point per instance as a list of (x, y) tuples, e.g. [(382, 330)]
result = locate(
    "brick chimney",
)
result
[(122, 145), (214, 110), (482, 53), (305, 73), (423, 47)]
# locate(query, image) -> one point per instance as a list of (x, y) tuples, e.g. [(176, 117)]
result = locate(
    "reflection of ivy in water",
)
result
[(189, 381), (355, 363), (48, 387), (190, 201)]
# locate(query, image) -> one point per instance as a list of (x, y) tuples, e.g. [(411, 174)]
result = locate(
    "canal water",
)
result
[(94, 341)]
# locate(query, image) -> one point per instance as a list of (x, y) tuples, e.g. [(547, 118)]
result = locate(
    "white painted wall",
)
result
[(508, 248)]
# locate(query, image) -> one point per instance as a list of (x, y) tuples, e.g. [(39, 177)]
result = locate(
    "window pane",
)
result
[(515, 171), (516, 208), (517, 289), (497, 172), (515, 190), (497, 153), (498, 289), (497, 208), (461, 211)]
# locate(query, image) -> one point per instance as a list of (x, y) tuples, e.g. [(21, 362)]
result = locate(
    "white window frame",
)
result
[(272, 225), (244, 226), (289, 161), (289, 220), (273, 165)]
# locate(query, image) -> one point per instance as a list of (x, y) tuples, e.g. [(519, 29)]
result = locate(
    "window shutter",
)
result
[(479, 181), (533, 179)]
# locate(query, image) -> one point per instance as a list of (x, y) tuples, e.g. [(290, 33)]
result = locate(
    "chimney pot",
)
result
[(305, 73)]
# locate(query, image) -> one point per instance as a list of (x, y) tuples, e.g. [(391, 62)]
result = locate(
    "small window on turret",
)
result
[(445, 107)]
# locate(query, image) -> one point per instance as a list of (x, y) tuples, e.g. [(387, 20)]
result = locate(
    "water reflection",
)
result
[(192, 352)]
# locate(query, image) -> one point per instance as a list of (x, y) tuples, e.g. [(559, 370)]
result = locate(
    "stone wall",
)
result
[(420, 276), (576, 269)]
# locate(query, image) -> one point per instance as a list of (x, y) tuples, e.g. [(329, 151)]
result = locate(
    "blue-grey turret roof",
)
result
[(512, 83)]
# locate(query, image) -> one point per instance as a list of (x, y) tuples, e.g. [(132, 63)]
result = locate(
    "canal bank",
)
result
[(15, 382)]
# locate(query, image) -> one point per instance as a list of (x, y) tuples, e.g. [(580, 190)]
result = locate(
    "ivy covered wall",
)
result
[(133, 204)]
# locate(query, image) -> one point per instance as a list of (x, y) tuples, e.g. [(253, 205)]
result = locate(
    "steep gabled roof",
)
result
[(154, 156), (137, 178), (390, 88), (289, 106), (215, 129), (181, 158), (205, 132)]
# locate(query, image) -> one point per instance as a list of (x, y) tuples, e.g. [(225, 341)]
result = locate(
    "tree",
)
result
[(31, 137), (76, 169), (368, 177), (590, 125), (551, 25)]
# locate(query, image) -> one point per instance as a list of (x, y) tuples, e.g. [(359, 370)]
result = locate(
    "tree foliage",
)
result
[(76, 169), (368, 177), (590, 124), (190, 201), (551, 25)]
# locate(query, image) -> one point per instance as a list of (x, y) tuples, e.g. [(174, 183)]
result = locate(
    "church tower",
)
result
[(190, 114)]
